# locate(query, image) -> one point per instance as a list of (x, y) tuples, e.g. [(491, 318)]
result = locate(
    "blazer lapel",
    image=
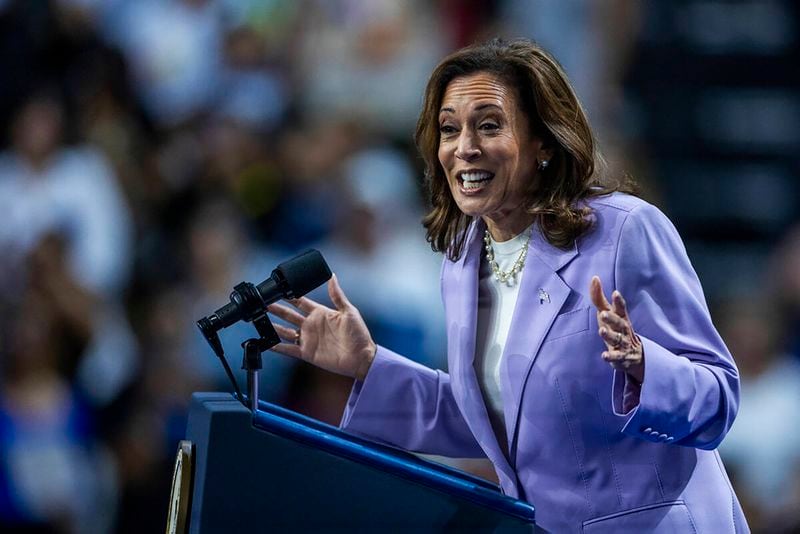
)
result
[(542, 295), (461, 295)]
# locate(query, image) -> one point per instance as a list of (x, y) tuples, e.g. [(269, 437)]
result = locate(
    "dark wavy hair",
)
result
[(555, 115)]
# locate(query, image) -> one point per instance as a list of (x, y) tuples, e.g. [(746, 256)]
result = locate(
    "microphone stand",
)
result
[(253, 310), (251, 362), (251, 357)]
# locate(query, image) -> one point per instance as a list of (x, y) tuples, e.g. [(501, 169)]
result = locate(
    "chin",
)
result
[(470, 209), (471, 206)]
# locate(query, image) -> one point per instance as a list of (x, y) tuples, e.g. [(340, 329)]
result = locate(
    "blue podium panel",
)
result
[(279, 471)]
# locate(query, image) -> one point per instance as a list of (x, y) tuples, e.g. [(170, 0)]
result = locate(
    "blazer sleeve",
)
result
[(408, 405), (690, 392)]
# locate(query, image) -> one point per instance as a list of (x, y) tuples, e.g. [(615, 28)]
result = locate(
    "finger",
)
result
[(618, 302), (286, 333), (613, 339), (617, 362), (337, 294), (305, 304), (598, 298), (614, 322), (287, 314), (289, 349), (615, 356), (621, 366), (622, 359)]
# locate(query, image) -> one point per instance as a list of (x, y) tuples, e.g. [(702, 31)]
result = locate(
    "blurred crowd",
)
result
[(155, 153)]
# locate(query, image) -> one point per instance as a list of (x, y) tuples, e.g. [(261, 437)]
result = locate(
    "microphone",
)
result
[(291, 279)]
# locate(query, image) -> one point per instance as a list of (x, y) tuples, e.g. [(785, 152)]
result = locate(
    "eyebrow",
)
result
[(479, 108)]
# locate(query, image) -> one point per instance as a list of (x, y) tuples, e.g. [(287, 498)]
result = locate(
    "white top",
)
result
[(496, 302)]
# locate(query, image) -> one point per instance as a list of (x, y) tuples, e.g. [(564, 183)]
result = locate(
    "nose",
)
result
[(467, 149)]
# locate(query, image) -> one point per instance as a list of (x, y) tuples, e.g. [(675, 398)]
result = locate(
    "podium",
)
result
[(274, 470)]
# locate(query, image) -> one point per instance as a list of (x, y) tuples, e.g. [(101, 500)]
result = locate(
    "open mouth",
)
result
[(474, 180)]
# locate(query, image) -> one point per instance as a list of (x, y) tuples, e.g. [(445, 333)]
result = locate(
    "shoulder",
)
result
[(619, 204), (628, 227), (619, 210)]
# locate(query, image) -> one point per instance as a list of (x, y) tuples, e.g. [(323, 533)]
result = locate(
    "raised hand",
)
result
[(623, 347), (333, 339)]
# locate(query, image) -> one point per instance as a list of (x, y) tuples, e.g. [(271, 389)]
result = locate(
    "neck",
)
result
[(507, 229)]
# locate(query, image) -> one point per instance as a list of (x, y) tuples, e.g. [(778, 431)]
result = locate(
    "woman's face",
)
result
[(487, 152)]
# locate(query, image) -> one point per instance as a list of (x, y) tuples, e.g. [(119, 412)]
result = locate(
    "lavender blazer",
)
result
[(591, 452)]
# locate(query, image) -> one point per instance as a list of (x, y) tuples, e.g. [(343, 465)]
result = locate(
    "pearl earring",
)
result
[(543, 164)]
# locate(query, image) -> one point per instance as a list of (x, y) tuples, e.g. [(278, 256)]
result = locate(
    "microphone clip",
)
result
[(248, 300)]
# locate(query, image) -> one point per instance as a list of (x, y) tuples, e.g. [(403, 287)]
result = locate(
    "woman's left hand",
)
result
[(623, 347)]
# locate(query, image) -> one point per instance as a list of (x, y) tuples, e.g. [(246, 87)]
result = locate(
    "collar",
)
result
[(554, 257)]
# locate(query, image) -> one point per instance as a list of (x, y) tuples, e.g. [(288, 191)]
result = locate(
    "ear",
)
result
[(542, 149), (544, 153)]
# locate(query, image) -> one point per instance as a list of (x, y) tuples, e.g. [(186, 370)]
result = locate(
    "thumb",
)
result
[(598, 297), (337, 295)]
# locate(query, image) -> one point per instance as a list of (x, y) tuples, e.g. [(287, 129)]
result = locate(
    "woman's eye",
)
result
[(446, 129), (489, 126)]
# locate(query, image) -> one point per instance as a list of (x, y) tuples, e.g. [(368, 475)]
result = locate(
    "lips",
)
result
[(473, 180)]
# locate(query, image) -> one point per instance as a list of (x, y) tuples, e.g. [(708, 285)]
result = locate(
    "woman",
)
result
[(532, 237)]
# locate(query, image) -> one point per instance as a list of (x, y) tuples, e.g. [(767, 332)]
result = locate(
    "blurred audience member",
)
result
[(241, 166), (355, 54), (174, 49), (53, 473), (251, 91), (784, 286), (592, 42), (311, 156), (49, 187), (46, 186), (378, 251), (762, 450)]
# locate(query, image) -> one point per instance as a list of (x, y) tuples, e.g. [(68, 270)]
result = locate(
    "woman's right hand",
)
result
[(333, 339)]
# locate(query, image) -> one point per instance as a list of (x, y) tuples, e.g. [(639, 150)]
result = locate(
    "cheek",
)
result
[(443, 155), (517, 164)]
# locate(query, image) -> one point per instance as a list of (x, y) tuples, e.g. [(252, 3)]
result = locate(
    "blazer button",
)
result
[(654, 434), (670, 439), (647, 430), (662, 437)]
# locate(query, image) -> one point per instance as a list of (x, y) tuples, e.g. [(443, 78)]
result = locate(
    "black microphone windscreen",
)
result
[(304, 273)]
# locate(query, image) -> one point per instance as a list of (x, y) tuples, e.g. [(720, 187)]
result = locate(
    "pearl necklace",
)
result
[(505, 277)]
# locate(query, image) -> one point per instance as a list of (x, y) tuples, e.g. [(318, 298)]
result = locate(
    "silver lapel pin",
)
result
[(543, 296)]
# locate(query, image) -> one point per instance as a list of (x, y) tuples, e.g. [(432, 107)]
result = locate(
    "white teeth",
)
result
[(472, 185), (475, 176)]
